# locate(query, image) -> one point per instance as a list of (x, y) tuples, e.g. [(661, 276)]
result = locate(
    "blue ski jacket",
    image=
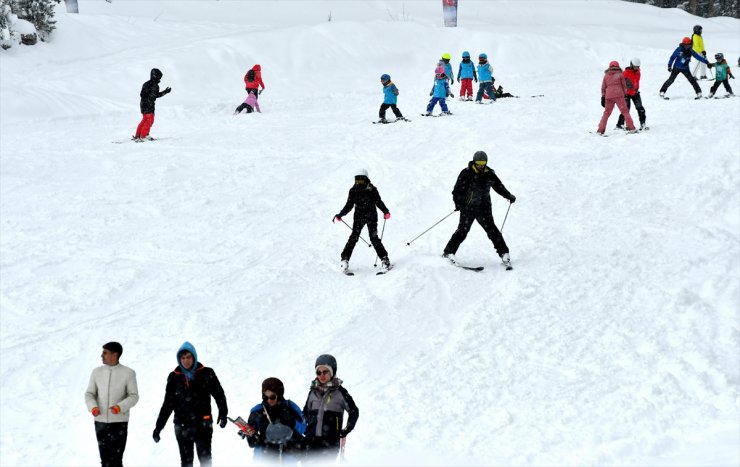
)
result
[(390, 93), (681, 57), (466, 70), (441, 88), (485, 73), (448, 71)]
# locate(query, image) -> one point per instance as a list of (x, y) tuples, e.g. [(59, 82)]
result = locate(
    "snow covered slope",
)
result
[(615, 340)]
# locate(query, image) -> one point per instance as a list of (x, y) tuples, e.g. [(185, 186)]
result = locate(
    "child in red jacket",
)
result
[(632, 79)]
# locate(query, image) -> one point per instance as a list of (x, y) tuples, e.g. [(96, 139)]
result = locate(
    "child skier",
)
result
[(613, 90), (485, 76), (149, 93), (679, 63), (466, 73), (439, 93), (448, 68), (250, 103), (365, 199), (390, 99), (632, 80), (721, 73)]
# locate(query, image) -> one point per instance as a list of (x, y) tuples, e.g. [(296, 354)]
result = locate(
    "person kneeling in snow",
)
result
[(250, 103)]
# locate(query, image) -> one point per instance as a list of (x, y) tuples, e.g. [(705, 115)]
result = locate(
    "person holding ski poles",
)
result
[(472, 198), (679, 63), (324, 410), (275, 414), (365, 199), (190, 387), (253, 81)]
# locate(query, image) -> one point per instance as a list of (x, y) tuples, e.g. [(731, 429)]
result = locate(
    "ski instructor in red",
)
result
[(253, 81), (149, 94)]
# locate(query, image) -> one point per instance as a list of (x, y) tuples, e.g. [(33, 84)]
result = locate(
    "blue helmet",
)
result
[(483, 56), (466, 54), (385, 77)]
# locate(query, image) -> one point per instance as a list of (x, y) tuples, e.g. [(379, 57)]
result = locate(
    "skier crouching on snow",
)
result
[(390, 99), (472, 198), (365, 199), (250, 103), (613, 91), (149, 94), (680, 63), (324, 411)]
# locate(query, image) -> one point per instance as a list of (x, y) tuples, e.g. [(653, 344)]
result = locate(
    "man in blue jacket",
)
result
[(679, 63)]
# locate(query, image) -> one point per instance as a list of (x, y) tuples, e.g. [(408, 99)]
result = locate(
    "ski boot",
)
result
[(344, 266), (506, 259), (385, 264)]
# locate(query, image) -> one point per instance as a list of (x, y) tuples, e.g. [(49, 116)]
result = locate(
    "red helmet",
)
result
[(614, 64), (686, 40)]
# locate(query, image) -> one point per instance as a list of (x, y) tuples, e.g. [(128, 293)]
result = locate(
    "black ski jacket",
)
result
[(190, 399), (324, 412), (472, 189), (365, 199), (285, 412), (149, 94)]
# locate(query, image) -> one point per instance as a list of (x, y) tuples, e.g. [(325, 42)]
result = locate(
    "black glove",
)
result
[(732, 76), (431, 92), (167, 90), (704, 53), (452, 95), (222, 421), (260, 92), (603, 101), (512, 198), (336, 217), (458, 79), (155, 436), (476, 80), (457, 207), (242, 435), (670, 69), (710, 65)]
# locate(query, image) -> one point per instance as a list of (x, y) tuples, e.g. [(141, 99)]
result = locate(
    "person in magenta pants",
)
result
[(613, 90)]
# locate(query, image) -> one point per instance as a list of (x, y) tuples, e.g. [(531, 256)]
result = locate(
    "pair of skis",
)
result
[(379, 273), (385, 122)]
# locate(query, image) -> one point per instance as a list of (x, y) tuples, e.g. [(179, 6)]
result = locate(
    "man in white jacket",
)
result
[(111, 393)]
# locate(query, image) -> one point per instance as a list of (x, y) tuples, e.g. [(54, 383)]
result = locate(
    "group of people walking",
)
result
[(314, 433)]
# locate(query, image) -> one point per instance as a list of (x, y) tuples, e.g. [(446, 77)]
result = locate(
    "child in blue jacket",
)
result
[(466, 73), (439, 93), (390, 98)]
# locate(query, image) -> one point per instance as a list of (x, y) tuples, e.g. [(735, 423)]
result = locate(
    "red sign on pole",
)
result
[(449, 12)]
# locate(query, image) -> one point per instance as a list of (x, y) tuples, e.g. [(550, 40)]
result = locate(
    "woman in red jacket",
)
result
[(613, 90), (632, 78), (253, 80)]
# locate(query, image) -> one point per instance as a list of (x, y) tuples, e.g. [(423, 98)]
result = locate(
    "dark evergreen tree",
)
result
[(703, 8)]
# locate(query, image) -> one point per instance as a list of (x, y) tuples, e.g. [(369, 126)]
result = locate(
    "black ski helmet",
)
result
[(697, 29), (480, 156), (155, 74), (329, 361)]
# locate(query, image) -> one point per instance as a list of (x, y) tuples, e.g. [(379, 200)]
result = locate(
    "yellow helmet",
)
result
[(446, 56)]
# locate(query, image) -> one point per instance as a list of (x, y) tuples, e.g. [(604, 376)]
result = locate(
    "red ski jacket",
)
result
[(632, 76), (257, 78)]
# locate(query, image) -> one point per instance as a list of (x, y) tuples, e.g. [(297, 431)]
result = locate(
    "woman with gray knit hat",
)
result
[(324, 410), (272, 411)]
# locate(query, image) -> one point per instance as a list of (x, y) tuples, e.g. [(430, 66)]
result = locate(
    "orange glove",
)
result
[(95, 411), (115, 409)]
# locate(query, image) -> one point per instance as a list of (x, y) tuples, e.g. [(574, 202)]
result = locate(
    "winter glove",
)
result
[(732, 76), (704, 53), (344, 433), (458, 79), (167, 90), (222, 420), (476, 80), (670, 69), (710, 65), (603, 101), (431, 92), (115, 409), (336, 218), (155, 436), (260, 92), (512, 198), (387, 215), (452, 95), (457, 207), (95, 411)]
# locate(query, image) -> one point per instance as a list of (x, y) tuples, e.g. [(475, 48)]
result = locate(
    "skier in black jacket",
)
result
[(365, 199), (149, 94), (189, 390), (472, 198)]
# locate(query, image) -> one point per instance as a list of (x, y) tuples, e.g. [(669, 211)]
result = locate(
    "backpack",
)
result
[(251, 75)]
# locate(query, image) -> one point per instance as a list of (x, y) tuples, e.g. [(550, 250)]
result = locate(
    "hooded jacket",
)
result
[(150, 92), (188, 394), (681, 57), (613, 86), (365, 199), (109, 386), (257, 78), (390, 93), (324, 411), (472, 189), (285, 412), (632, 80)]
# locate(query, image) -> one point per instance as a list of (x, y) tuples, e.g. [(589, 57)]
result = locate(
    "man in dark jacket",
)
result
[(472, 198), (149, 94), (365, 199), (189, 390)]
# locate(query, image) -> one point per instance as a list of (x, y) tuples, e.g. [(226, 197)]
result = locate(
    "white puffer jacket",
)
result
[(109, 386)]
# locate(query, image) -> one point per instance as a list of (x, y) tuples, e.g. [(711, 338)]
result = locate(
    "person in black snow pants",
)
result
[(365, 199), (472, 198), (188, 393), (149, 94), (324, 411)]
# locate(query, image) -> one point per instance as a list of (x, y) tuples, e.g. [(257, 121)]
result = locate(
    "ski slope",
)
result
[(614, 341)]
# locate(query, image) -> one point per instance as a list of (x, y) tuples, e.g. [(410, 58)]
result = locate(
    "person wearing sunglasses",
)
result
[(190, 387), (472, 197), (324, 409), (275, 409)]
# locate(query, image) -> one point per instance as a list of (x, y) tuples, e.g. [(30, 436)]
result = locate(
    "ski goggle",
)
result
[(269, 398)]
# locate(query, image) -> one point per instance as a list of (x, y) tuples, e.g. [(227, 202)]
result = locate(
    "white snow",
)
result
[(614, 341)]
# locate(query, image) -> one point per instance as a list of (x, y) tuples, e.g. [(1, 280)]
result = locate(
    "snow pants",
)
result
[(147, 120), (372, 229), (320, 451), (384, 107), (638, 105), (484, 217), (672, 78), (466, 87), (486, 87), (609, 106), (200, 435), (111, 442), (243, 106), (700, 70), (716, 84), (433, 102)]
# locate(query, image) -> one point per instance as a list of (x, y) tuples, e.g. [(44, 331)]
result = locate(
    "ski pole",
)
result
[(430, 228), (375, 265), (350, 228), (507, 215), (342, 443)]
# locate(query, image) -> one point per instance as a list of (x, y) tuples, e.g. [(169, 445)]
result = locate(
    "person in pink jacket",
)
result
[(613, 90)]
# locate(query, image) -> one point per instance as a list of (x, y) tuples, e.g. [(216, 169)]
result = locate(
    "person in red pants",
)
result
[(149, 94)]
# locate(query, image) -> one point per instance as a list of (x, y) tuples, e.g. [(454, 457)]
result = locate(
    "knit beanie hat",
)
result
[(328, 361)]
